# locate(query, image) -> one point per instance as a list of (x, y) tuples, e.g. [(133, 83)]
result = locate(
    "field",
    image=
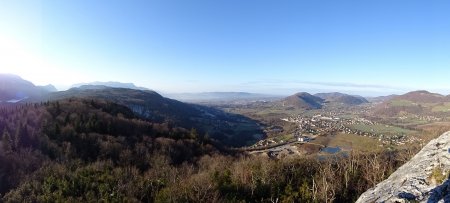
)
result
[(284, 138), (445, 107), (411, 122), (350, 142), (402, 103), (381, 129), (355, 142)]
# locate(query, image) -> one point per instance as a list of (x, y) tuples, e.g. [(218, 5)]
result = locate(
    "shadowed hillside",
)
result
[(51, 138), (230, 129), (303, 100)]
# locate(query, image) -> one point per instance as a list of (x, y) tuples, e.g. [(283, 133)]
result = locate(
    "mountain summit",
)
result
[(303, 100), (422, 96), (111, 84), (13, 88), (416, 102)]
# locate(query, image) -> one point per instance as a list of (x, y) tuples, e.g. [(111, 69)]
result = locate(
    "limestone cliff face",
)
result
[(423, 179)]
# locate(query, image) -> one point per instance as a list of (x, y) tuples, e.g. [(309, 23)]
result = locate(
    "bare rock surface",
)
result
[(414, 182)]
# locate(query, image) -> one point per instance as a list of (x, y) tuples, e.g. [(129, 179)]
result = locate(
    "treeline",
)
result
[(88, 151)]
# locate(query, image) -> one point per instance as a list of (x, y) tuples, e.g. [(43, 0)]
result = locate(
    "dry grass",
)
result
[(356, 142)]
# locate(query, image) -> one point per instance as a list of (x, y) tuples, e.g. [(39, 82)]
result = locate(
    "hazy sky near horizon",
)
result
[(364, 47)]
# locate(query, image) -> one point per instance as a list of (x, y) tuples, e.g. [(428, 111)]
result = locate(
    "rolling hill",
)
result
[(336, 97), (381, 98), (422, 96), (416, 102), (303, 100)]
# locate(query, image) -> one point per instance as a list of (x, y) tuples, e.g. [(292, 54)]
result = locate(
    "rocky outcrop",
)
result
[(423, 179)]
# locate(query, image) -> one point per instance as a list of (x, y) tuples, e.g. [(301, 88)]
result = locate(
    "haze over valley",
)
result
[(224, 101), (255, 126)]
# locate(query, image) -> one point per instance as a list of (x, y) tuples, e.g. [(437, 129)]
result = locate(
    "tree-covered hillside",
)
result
[(80, 150), (150, 105)]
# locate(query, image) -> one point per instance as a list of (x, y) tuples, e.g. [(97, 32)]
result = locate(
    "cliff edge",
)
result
[(423, 179)]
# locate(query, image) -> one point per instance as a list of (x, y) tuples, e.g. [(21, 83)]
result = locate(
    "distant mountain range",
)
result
[(381, 98), (49, 88), (13, 88), (305, 100), (111, 84), (151, 105), (219, 96), (337, 97)]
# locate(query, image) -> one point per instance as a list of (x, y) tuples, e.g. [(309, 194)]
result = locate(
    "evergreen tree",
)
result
[(6, 141), (193, 134)]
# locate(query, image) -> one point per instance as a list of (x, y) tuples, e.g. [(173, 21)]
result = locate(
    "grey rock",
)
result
[(412, 182)]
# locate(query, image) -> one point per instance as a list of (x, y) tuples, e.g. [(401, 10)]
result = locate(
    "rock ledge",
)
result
[(414, 182)]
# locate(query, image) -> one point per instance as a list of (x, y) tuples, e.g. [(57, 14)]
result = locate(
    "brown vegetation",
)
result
[(86, 150)]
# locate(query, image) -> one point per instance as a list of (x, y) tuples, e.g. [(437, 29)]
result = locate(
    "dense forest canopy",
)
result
[(90, 150), (150, 105)]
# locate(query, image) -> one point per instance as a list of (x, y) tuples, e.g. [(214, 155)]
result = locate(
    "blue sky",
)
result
[(366, 47)]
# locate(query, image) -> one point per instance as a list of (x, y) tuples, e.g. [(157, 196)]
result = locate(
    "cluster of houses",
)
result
[(421, 118), (319, 124), (296, 137), (265, 143), (398, 139), (325, 125), (331, 122)]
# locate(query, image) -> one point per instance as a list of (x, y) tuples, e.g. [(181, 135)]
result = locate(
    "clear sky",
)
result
[(369, 47)]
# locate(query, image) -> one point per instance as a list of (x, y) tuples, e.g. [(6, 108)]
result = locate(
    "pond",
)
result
[(331, 150)]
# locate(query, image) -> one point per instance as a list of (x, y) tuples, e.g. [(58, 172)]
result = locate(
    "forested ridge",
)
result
[(85, 150), (150, 105)]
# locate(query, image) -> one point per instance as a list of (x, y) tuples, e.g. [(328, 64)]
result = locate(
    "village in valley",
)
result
[(311, 127), (334, 123)]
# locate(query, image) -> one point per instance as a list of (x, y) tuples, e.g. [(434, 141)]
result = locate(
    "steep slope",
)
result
[(152, 106), (424, 178), (14, 88), (74, 134), (148, 104), (340, 98), (303, 100)]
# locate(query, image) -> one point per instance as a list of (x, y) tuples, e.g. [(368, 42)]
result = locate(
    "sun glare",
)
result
[(16, 58)]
